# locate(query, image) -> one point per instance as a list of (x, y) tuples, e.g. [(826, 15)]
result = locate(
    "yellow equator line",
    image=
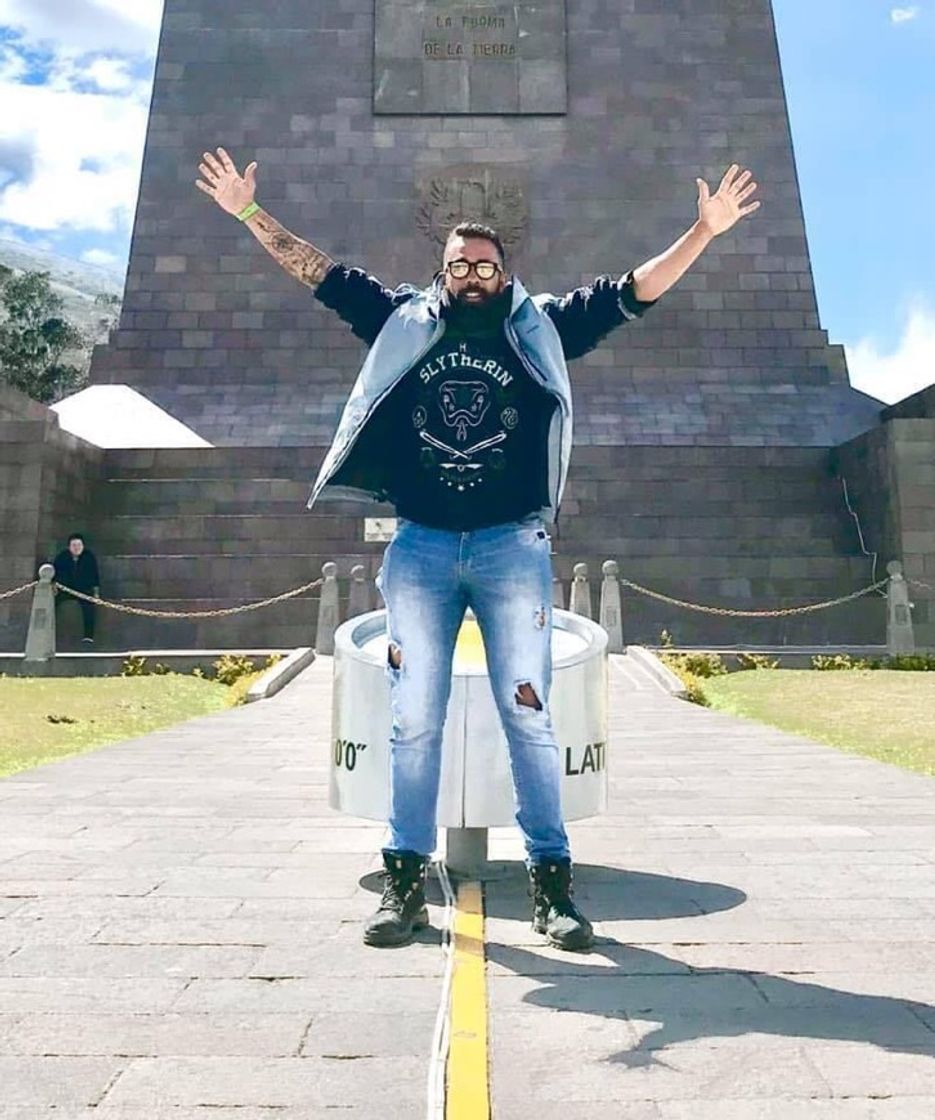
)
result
[(468, 1096)]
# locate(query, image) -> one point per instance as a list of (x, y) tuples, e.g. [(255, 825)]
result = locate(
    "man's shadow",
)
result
[(687, 1002)]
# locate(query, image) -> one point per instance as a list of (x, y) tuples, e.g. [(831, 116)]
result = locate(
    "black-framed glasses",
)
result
[(461, 269)]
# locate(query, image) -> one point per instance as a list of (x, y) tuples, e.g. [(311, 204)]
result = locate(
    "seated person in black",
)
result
[(76, 568)]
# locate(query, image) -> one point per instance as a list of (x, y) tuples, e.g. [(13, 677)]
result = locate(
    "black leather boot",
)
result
[(553, 913), (402, 909)]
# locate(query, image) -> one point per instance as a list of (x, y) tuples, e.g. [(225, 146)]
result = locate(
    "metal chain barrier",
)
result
[(919, 583), (221, 612), (18, 590), (730, 613)]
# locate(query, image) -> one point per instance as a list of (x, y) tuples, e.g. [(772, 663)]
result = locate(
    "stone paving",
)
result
[(180, 934)]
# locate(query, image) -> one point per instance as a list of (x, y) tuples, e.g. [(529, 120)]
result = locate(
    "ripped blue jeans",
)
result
[(428, 579)]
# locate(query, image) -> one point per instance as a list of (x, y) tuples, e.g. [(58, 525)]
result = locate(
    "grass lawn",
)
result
[(101, 710), (881, 713)]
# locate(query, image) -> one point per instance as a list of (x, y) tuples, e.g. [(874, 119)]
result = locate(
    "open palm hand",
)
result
[(720, 211), (221, 180)]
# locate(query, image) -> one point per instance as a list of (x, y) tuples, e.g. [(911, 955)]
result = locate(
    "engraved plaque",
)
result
[(442, 56), (469, 33)]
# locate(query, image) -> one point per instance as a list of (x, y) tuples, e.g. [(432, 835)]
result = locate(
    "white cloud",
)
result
[(111, 75), (75, 109), (104, 73), (80, 26), (75, 157), (12, 64), (903, 15), (909, 368), (101, 257)]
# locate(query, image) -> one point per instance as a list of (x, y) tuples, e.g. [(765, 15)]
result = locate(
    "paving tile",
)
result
[(169, 1034), (750, 965)]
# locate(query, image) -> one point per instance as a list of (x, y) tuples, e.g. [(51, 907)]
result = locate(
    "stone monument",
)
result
[(577, 129), (703, 433)]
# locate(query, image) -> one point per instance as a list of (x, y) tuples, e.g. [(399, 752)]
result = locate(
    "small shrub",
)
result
[(161, 670), (910, 662), (694, 690), (701, 665), (755, 661), (242, 686), (199, 673), (697, 665), (913, 662), (232, 666), (692, 669), (134, 667), (826, 663)]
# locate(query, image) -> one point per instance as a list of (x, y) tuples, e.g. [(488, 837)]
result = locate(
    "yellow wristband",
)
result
[(248, 212)]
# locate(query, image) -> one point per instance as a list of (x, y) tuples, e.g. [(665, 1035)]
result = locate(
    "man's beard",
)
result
[(488, 311)]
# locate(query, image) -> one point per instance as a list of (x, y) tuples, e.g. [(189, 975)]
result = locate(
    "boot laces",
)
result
[(555, 891), (394, 894), (397, 889)]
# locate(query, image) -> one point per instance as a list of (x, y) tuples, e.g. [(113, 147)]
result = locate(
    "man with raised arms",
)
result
[(461, 416)]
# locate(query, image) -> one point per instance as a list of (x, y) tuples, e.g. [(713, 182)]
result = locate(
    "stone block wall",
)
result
[(200, 529), (753, 528), (48, 481), (208, 528), (920, 405), (15, 405), (657, 94), (891, 471)]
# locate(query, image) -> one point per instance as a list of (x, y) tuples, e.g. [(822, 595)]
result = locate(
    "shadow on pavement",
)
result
[(614, 894), (674, 1002), (611, 893)]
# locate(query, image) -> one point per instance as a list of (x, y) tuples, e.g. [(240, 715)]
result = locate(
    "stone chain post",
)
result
[(40, 639), (581, 592), (359, 598), (327, 610), (611, 613), (899, 635)]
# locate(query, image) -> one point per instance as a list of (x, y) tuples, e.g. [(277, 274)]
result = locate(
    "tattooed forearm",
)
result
[(300, 259)]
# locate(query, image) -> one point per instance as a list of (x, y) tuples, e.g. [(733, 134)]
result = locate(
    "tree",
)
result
[(34, 338), (109, 305)]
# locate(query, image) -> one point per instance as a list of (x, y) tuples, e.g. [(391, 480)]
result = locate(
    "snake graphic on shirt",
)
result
[(464, 412)]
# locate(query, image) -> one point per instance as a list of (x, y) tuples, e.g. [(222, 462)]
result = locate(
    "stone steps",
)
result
[(741, 527), (341, 549), (628, 535), (292, 623)]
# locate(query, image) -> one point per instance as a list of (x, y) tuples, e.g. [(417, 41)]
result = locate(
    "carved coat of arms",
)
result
[(472, 194)]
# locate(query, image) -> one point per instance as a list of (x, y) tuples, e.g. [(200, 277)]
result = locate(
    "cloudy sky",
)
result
[(75, 80)]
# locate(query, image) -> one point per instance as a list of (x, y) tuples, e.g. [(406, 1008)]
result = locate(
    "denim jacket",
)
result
[(543, 330)]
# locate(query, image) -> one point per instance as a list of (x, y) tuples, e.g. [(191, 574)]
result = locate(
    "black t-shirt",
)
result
[(461, 396), (469, 431)]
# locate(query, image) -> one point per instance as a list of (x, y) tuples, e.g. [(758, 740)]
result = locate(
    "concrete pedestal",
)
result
[(476, 790)]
